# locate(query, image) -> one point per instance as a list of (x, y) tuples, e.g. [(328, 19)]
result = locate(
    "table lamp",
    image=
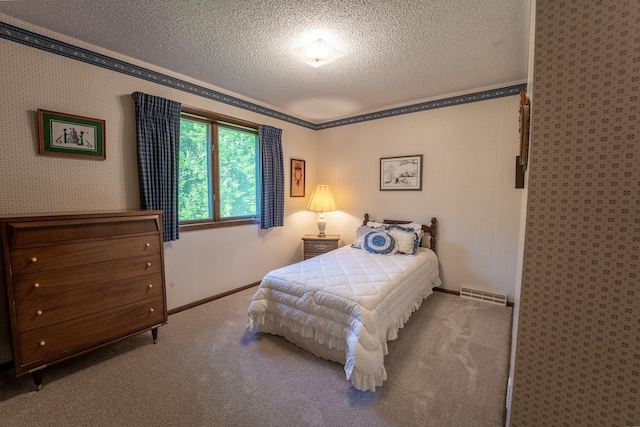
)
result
[(322, 201)]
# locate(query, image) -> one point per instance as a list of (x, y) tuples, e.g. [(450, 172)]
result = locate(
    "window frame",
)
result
[(216, 120)]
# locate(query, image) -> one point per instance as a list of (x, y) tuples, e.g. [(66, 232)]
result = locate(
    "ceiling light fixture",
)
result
[(317, 53)]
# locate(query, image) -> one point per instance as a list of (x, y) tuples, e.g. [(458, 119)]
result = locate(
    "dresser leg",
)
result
[(37, 378), (154, 334)]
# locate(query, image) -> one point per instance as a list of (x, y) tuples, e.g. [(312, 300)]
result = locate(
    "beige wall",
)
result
[(578, 350), (468, 184), (201, 263)]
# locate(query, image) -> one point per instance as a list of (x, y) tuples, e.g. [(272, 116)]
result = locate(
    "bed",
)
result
[(345, 305)]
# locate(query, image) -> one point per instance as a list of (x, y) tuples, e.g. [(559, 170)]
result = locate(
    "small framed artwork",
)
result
[(69, 135), (297, 177), (401, 173), (524, 130)]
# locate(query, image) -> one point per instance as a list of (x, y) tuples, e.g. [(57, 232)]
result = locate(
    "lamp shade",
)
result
[(322, 199)]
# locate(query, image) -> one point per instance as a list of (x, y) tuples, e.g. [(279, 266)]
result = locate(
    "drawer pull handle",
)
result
[(320, 247), (150, 286), (148, 264), (36, 285), (151, 310), (39, 312), (33, 259), (42, 343), (148, 244)]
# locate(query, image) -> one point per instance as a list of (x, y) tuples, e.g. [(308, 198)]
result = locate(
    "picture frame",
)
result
[(523, 130), (61, 134), (401, 173), (298, 175)]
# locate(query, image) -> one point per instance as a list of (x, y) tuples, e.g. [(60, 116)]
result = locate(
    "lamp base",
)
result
[(322, 224)]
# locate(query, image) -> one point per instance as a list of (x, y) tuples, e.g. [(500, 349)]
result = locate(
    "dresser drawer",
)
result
[(43, 311), (50, 282), (54, 231), (42, 258), (39, 346)]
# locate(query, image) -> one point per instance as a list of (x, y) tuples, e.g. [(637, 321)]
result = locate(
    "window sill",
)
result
[(204, 225)]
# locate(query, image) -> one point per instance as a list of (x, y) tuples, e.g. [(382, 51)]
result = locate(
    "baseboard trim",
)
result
[(209, 299), (242, 288), (447, 291)]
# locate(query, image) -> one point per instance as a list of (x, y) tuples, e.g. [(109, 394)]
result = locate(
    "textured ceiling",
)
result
[(397, 52)]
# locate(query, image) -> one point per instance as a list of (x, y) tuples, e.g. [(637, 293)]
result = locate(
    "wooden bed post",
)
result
[(434, 232)]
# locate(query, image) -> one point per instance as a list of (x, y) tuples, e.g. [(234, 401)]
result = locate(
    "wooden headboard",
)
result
[(432, 229)]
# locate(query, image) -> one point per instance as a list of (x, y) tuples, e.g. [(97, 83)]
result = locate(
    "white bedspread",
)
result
[(347, 300)]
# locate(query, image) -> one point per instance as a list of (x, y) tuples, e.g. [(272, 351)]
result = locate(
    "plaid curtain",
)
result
[(272, 191), (158, 141)]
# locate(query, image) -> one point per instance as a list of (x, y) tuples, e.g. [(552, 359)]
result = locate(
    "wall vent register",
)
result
[(484, 296)]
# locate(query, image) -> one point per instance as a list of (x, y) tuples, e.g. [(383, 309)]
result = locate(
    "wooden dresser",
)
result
[(76, 282)]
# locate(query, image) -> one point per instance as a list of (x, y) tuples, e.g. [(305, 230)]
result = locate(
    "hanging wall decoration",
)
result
[(524, 130), (297, 177), (69, 135), (401, 173)]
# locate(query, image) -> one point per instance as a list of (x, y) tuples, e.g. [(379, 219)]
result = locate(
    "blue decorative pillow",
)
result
[(379, 242)]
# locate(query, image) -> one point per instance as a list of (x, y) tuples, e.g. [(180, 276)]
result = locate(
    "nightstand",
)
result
[(314, 245)]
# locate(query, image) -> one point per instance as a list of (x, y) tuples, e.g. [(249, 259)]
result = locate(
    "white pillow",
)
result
[(416, 227), (361, 232), (407, 240)]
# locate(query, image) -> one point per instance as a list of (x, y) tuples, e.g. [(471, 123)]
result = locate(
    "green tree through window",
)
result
[(217, 171), (238, 151), (194, 185)]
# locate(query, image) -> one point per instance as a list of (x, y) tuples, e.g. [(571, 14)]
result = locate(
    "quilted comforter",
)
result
[(345, 305)]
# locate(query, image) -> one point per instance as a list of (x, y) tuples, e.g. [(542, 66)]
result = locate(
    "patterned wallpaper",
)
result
[(578, 347)]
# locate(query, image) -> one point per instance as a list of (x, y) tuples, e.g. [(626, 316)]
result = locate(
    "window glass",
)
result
[(194, 185), (238, 151), (218, 176)]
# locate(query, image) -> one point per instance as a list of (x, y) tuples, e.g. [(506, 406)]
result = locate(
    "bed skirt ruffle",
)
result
[(366, 376)]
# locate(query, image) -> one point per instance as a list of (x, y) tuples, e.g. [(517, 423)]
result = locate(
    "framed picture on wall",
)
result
[(401, 173), (523, 127), (61, 134), (297, 177)]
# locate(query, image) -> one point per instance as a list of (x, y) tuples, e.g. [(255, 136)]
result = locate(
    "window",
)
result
[(218, 170)]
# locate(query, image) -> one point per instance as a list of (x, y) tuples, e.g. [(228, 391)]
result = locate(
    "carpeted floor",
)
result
[(448, 367)]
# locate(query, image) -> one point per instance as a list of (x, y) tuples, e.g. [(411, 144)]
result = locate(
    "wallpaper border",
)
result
[(48, 44), (29, 38), (429, 105)]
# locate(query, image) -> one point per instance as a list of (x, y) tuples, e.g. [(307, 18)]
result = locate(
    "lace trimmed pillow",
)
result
[(379, 242), (415, 227), (407, 240)]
